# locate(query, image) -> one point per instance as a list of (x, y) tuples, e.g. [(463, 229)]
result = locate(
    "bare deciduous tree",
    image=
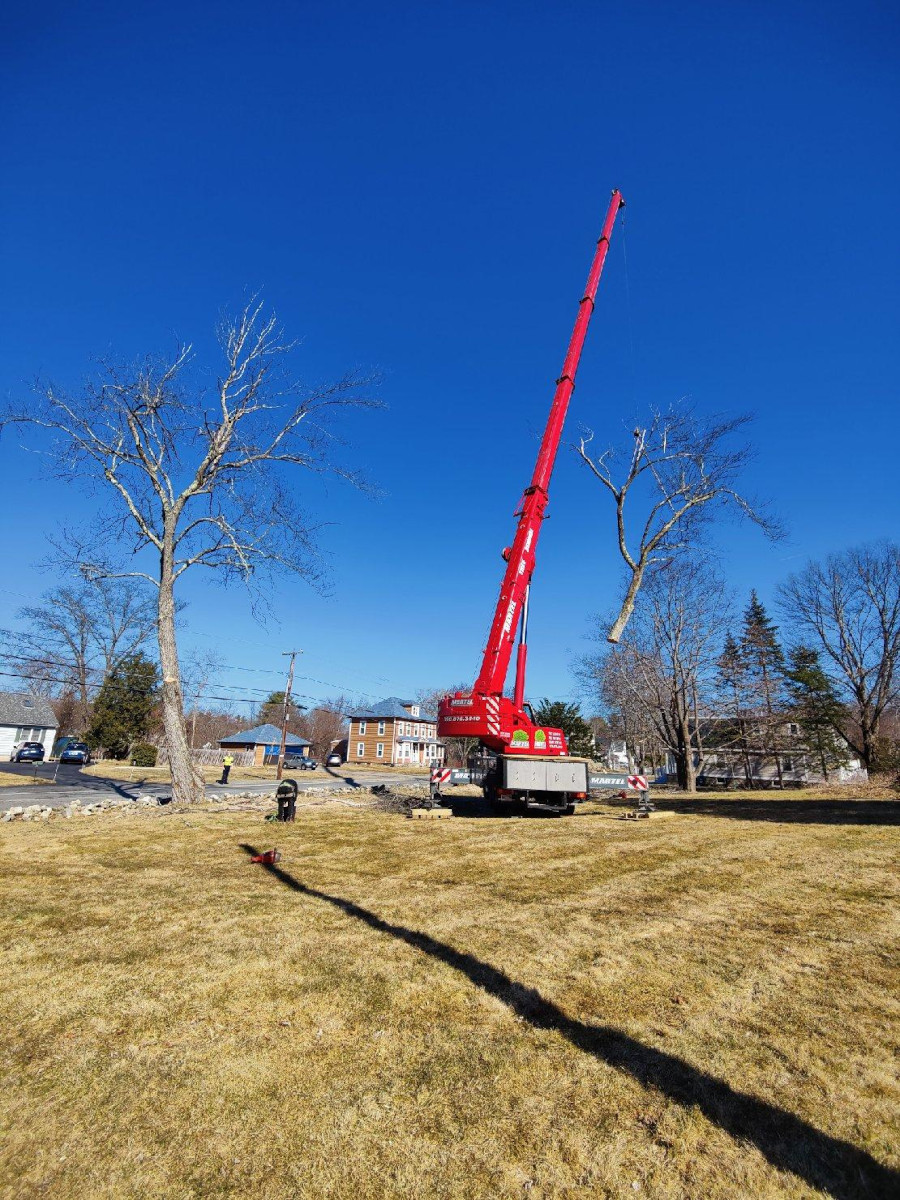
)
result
[(209, 725), (324, 725), (77, 636), (195, 477), (850, 607), (627, 720), (197, 671), (681, 471), (662, 670)]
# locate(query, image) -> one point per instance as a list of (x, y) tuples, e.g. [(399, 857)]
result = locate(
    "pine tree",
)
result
[(816, 707), (271, 710), (558, 715), (124, 704), (763, 661)]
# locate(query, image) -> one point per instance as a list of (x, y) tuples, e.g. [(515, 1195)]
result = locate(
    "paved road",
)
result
[(72, 784)]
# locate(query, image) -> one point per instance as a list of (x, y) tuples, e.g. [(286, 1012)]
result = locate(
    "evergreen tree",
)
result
[(816, 707), (271, 710), (124, 704), (763, 661), (558, 715)]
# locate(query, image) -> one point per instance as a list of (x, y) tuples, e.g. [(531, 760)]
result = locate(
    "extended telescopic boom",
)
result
[(520, 557)]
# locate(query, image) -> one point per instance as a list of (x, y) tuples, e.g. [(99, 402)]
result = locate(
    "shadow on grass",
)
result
[(802, 812), (789, 1143)]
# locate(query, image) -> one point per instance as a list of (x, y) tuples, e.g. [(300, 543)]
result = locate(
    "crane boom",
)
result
[(502, 725), (520, 557)]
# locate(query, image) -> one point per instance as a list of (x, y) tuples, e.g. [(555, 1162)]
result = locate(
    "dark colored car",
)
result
[(28, 752), (76, 752), (296, 762)]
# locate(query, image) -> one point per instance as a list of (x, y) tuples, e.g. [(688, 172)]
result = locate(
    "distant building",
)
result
[(394, 732), (731, 753), (265, 742), (25, 718), (616, 757)]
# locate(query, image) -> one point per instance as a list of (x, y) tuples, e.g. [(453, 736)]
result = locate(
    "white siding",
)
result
[(8, 740)]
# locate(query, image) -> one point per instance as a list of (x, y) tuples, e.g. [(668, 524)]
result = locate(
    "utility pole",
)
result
[(279, 771)]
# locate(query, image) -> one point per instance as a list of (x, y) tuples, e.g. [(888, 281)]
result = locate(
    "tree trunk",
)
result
[(690, 769), (868, 734), (685, 769), (770, 722), (820, 744), (742, 736), (187, 783)]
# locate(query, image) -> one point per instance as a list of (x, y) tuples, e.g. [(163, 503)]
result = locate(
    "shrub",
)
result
[(143, 755)]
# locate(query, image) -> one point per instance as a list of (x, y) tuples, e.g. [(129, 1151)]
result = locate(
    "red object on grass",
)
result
[(268, 859)]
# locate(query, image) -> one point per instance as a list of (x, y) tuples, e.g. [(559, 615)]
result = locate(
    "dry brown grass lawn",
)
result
[(10, 779), (704, 1006)]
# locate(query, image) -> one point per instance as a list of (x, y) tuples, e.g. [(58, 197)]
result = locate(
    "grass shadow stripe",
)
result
[(789, 1143)]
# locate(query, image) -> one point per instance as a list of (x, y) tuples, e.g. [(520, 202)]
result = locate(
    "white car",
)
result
[(333, 760)]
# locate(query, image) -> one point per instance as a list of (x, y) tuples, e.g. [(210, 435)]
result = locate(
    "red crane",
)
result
[(501, 725)]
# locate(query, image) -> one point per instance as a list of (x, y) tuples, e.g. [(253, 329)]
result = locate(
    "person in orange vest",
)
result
[(227, 764)]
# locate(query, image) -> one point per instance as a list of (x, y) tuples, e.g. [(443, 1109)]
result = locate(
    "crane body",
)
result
[(514, 750)]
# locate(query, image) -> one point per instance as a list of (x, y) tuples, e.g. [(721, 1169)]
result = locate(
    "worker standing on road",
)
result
[(227, 764)]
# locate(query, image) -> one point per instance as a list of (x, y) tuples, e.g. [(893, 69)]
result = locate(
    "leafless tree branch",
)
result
[(682, 469)]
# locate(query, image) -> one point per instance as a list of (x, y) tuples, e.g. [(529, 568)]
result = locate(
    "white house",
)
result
[(738, 754), (25, 718)]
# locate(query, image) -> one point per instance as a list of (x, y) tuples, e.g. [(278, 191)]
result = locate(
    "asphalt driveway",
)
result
[(72, 784)]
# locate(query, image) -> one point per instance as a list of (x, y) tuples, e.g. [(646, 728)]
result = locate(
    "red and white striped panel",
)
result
[(638, 782), (440, 774), (492, 714)]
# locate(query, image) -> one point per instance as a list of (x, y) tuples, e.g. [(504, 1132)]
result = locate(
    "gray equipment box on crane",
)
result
[(524, 774)]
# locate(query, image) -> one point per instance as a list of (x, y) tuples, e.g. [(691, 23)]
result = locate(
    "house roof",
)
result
[(393, 706), (262, 735), (18, 708)]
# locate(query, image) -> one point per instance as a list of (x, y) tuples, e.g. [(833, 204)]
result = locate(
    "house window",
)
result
[(362, 729), (793, 728), (379, 749), (788, 764), (381, 728), (360, 749), (27, 734)]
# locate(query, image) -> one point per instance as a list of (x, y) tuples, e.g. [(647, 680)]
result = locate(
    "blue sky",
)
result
[(417, 189)]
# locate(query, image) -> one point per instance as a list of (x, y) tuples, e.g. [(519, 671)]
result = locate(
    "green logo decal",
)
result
[(540, 738), (520, 738)]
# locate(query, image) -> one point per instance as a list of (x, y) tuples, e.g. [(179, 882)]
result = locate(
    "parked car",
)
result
[(333, 760), (76, 752), (298, 762), (27, 752)]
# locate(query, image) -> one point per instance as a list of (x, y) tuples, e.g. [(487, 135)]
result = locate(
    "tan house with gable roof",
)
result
[(394, 732)]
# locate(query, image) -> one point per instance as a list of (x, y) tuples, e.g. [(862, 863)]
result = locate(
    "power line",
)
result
[(117, 688)]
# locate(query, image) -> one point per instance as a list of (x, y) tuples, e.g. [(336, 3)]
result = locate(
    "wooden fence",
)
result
[(210, 758)]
